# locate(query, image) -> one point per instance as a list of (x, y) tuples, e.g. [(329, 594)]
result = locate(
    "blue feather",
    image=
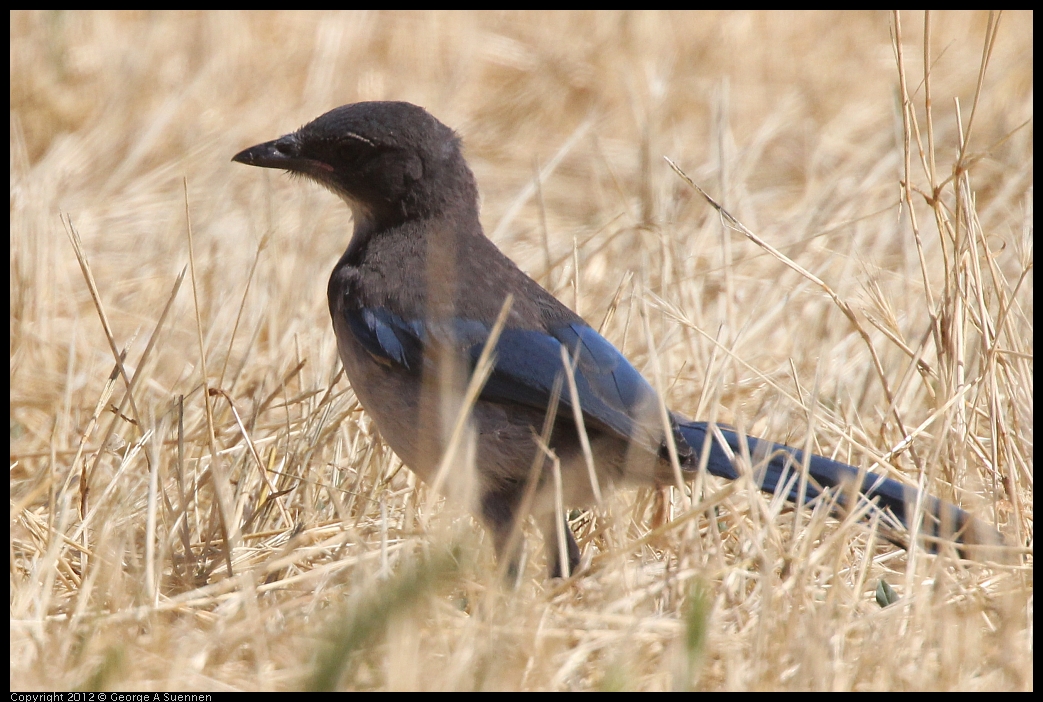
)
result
[(611, 392)]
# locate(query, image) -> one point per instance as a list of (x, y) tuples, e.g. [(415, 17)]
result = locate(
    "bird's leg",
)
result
[(500, 516), (553, 547)]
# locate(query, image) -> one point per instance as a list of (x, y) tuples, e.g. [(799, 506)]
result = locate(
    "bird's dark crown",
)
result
[(395, 125)]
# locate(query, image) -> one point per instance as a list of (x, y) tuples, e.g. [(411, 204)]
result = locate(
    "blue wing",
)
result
[(612, 394)]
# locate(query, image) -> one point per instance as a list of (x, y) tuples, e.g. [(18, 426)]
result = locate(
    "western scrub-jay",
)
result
[(420, 289)]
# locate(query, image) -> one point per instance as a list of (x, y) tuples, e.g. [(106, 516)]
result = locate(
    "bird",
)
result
[(421, 292)]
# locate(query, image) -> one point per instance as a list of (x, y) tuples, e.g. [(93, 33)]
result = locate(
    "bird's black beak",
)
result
[(283, 153), (280, 153)]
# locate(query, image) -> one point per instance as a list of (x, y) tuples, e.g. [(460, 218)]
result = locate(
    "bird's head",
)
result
[(390, 161)]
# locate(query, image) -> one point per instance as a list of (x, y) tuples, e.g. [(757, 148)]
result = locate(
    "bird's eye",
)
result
[(346, 151)]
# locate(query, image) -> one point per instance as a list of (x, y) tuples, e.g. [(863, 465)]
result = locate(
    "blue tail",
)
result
[(897, 502)]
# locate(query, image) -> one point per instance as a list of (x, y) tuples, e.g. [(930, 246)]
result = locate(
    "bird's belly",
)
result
[(391, 398)]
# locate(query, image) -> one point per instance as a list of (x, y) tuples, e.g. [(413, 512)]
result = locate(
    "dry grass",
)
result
[(241, 452)]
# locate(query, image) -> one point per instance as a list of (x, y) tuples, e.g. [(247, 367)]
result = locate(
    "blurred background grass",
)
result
[(794, 121)]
